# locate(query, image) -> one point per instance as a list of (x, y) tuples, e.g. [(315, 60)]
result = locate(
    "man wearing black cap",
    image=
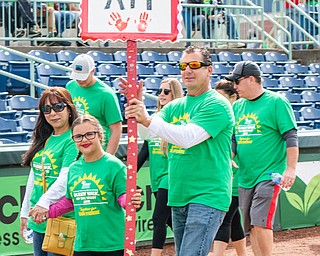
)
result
[(265, 141)]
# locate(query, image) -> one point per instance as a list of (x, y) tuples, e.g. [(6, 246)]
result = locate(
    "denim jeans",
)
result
[(193, 23), (194, 228), (37, 244), (64, 20)]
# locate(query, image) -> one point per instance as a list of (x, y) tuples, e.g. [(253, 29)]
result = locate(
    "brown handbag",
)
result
[(60, 232)]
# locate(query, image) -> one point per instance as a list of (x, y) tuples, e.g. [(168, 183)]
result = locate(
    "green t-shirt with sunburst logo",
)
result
[(261, 148), (201, 174), (98, 100), (94, 188), (158, 165), (60, 151)]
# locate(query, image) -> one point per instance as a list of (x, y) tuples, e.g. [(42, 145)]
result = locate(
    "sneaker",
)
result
[(237, 45), (19, 33), (80, 43), (32, 33)]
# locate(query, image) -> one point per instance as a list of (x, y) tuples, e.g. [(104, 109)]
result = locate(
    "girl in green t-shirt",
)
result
[(96, 190)]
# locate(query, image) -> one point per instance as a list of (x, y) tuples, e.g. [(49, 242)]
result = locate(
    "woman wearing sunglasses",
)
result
[(49, 156), (156, 150)]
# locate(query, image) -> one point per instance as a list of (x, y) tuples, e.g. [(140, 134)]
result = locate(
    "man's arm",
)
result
[(113, 143)]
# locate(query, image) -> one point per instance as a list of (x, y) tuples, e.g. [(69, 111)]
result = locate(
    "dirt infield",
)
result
[(300, 242)]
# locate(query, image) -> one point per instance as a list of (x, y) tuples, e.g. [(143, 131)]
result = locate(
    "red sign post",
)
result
[(130, 21)]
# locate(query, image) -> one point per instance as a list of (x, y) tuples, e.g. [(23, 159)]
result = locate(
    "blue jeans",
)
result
[(37, 244), (194, 228), (295, 33), (193, 23), (64, 20)]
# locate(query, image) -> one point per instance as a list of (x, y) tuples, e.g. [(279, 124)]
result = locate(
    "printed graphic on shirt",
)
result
[(181, 120), (86, 192), (81, 105), (247, 125), (155, 146)]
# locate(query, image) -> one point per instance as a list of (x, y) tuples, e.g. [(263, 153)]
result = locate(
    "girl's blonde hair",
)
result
[(92, 120), (177, 92)]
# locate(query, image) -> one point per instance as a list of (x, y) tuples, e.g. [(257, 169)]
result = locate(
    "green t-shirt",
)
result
[(158, 165), (94, 188), (60, 151), (98, 100), (258, 131), (201, 174)]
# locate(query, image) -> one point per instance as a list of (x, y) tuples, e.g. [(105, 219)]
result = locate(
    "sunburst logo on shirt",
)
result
[(89, 182), (248, 124), (81, 105), (45, 157), (183, 119)]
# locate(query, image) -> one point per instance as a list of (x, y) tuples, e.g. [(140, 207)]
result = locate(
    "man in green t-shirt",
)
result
[(265, 141), (92, 96), (198, 128)]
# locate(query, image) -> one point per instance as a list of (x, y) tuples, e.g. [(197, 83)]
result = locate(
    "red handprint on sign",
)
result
[(118, 22), (143, 22)]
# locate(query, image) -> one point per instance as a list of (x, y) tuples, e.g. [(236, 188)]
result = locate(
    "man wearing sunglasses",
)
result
[(265, 141), (198, 128), (91, 96)]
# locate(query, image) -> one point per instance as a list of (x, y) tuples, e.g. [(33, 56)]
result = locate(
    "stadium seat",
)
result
[(295, 84), (292, 97), (152, 84), (22, 69), (310, 96), (155, 58), (27, 123), (7, 125), (9, 130), (164, 69), (3, 95), (298, 70), (103, 58), (150, 103), (310, 113), (298, 106), (66, 56), (229, 57), (111, 71), (220, 70), (273, 71), (214, 57), (269, 83), (23, 102), (277, 58), (19, 137), (60, 81), (6, 56), (174, 56), (49, 56), (256, 57), (312, 81), (314, 68), (44, 72), (145, 71)]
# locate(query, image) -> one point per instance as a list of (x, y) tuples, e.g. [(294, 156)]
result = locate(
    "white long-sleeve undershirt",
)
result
[(185, 136)]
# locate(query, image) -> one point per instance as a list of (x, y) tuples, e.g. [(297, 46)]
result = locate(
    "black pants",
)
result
[(161, 218), (231, 226), (89, 253)]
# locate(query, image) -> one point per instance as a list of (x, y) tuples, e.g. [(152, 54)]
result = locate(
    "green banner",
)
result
[(300, 206), (12, 190)]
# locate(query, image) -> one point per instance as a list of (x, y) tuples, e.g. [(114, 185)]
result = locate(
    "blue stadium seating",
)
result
[(310, 96), (165, 69), (66, 56), (174, 56), (103, 58), (111, 71), (277, 58), (256, 57), (229, 57), (49, 56)]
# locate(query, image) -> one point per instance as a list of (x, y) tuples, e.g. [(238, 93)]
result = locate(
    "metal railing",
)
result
[(55, 25), (302, 22)]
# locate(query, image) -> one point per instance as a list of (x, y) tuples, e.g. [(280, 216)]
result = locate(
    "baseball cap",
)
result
[(82, 65), (244, 68)]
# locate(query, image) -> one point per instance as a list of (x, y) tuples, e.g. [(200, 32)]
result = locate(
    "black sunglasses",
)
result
[(237, 81), (165, 91), (192, 65), (89, 136), (58, 107)]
